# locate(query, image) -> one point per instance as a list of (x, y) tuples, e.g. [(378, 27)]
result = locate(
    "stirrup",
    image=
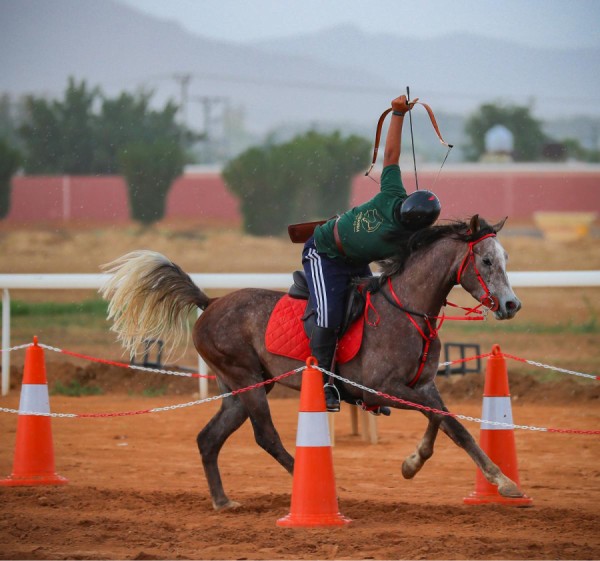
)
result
[(333, 403)]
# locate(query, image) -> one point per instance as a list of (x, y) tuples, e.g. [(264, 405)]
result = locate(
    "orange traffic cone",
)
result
[(498, 442), (34, 453), (314, 499)]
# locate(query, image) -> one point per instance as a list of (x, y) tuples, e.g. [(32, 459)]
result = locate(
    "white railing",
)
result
[(555, 279)]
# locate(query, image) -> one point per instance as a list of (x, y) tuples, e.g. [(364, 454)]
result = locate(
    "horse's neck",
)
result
[(428, 277)]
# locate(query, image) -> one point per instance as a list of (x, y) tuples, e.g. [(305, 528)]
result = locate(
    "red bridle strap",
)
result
[(488, 300), (433, 333), (433, 330)]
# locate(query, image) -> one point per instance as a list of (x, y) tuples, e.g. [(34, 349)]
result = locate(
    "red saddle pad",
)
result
[(285, 333)]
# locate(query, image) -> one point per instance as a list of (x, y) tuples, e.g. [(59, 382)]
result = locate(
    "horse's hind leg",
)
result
[(413, 463), (234, 411), (229, 418), (265, 434)]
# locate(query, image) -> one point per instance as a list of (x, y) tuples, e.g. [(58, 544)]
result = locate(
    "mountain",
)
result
[(460, 71), (43, 42), (340, 77)]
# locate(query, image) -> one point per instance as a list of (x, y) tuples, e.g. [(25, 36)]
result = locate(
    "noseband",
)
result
[(488, 299)]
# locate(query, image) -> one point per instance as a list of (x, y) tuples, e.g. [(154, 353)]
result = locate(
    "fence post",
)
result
[(5, 341), (203, 371)]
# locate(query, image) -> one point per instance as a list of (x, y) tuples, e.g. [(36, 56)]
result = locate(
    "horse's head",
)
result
[(482, 271)]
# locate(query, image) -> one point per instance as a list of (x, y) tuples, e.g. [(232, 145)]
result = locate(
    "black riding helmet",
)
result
[(420, 210)]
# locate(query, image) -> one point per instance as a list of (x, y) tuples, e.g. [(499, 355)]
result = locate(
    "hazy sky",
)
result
[(543, 23)]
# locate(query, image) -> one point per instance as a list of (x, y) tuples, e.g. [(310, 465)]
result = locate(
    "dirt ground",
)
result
[(136, 490), (136, 487)]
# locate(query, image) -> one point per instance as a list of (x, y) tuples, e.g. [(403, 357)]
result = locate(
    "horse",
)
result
[(149, 296)]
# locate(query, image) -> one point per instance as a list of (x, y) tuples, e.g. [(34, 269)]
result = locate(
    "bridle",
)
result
[(488, 302)]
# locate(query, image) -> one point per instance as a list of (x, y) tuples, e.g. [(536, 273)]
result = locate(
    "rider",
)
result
[(343, 247)]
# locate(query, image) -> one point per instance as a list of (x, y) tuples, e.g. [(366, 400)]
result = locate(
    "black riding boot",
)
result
[(323, 342)]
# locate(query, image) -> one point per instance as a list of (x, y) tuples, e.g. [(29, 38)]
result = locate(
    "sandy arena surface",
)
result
[(136, 490), (136, 487)]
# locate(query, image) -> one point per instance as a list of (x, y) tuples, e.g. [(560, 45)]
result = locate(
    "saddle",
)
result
[(293, 319)]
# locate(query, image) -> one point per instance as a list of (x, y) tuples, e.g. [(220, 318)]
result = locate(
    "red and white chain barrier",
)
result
[(531, 362), (290, 373), (125, 364)]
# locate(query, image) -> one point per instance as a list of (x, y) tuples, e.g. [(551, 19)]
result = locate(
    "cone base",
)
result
[(307, 520), (31, 480), (481, 499)]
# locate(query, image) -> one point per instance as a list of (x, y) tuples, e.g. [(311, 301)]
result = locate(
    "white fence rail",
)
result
[(555, 279)]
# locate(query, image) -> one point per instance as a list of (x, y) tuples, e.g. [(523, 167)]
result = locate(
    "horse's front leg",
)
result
[(459, 434), (413, 463), (429, 395)]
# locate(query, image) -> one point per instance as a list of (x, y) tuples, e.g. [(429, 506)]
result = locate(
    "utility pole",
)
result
[(208, 102), (184, 84)]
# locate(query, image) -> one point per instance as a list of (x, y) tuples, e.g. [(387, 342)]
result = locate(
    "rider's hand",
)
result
[(402, 105)]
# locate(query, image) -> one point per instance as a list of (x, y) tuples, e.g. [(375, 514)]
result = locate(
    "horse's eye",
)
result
[(487, 261)]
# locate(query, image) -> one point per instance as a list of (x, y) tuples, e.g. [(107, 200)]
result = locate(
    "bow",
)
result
[(435, 128)]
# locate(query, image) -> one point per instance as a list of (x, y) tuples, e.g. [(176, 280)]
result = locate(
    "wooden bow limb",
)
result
[(380, 126)]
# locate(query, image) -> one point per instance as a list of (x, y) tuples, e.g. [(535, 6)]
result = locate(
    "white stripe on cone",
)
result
[(499, 410), (34, 399), (313, 429)]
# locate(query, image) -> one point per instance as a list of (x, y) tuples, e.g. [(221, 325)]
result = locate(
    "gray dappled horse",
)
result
[(151, 297)]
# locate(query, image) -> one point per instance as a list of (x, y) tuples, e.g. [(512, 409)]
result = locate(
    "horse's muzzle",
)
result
[(507, 309)]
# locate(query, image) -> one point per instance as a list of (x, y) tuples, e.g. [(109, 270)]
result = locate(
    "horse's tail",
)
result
[(150, 299)]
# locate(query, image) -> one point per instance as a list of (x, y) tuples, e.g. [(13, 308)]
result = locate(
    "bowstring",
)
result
[(450, 146), (412, 138)]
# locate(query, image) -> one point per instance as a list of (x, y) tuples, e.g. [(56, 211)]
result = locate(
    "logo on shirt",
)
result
[(368, 221)]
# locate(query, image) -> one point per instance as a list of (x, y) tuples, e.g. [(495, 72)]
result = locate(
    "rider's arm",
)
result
[(393, 140)]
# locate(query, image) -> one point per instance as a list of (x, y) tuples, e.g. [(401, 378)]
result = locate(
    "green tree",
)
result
[(59, 135), (527, 132), (10, 160), (10, 114), (576, 151), (88, 133), (149, 169), (85, 131), (128, 119), (306, 178)]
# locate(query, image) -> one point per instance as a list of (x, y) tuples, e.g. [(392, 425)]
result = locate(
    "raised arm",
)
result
[(393, 140)]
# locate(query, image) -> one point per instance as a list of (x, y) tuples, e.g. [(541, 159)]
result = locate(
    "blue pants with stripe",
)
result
[(328, 281)]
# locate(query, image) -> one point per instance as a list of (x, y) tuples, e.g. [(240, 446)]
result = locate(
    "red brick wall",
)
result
[(77, 198), (493, 193), (204, 198)]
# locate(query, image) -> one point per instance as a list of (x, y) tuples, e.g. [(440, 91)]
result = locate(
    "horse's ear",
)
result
[(474, 224), (498, 227)]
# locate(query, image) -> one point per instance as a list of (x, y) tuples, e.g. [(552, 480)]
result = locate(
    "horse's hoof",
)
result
[(410, 467), (510, 490), (229, 505)]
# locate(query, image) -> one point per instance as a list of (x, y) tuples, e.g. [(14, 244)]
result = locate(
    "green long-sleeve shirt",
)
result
[(362, 229)]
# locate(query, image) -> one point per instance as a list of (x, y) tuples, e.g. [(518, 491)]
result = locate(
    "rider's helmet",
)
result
[(420, 210)]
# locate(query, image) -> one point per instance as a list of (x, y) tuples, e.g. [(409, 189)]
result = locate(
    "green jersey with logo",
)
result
[(363, 229)]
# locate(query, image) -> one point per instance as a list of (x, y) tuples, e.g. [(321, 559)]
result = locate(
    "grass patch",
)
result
[(154, 392), (95, 307), (75, 389), (592, 326)]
